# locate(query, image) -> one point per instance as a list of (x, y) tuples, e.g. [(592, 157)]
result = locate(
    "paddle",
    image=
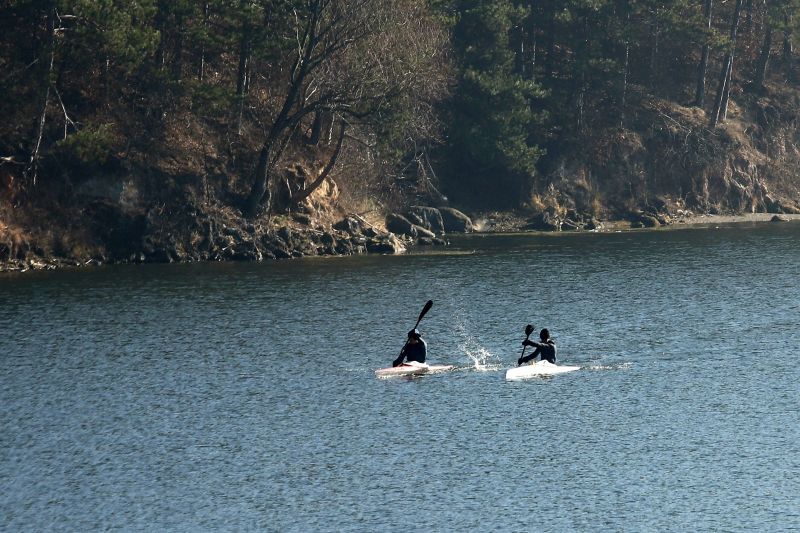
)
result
[(422, 313), (528, 331)]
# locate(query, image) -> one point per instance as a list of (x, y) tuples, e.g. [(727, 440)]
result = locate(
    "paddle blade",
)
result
[(425, 310), (528, 331)]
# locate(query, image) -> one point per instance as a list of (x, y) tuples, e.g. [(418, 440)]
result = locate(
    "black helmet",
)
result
[(414, 333)]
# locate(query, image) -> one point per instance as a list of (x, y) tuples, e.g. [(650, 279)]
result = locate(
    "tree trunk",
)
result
[(748, 21), (551, 43), (723, 91), (201, 68), (161, 25), (322, 121), (242, 74), (653, 49), (700, 92), (177, 50), (260, 188), (625, 63), (763, 58), (278, 135), (33, 165), (726, 92), (305, 193)]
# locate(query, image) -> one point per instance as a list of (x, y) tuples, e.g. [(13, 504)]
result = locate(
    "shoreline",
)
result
[(623, 225), (610, 226)]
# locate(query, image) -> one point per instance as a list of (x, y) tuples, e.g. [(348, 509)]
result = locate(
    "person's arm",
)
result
[(399, 360), (531, 357)]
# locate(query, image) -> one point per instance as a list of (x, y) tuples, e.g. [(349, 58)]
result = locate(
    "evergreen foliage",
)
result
[(494, 120)]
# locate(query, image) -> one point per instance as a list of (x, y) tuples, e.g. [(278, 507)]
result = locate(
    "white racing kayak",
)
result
[(539, 368), (412, 368)]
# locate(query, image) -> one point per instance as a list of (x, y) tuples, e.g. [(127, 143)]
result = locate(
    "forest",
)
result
[(596, 107)]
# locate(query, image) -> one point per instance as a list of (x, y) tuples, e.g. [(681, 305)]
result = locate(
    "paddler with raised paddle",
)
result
[(415, 349)]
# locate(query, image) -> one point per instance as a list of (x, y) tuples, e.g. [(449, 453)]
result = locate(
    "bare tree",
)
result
[(358, 59)]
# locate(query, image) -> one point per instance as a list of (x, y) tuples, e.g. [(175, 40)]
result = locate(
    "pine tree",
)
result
[(495, 119)]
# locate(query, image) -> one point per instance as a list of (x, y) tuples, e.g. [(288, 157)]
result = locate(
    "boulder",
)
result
[(286, 235), (399, 224), (571, 225), (454, 220), (641, 219), (778, 218), (545, 221), (429, 218), (423, 233), (593, 224), (386, 244), (350, 225)]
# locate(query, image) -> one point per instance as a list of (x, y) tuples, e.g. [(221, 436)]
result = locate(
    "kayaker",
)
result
[(546, 348), (415, 349)]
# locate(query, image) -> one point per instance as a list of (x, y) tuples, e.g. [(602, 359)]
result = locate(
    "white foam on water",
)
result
[(482, 359), (616, 366)]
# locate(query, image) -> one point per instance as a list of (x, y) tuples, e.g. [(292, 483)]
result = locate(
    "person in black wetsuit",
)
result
[(415, 349), (546, 348)]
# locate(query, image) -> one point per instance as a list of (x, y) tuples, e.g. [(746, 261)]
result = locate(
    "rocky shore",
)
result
[(192, 233)]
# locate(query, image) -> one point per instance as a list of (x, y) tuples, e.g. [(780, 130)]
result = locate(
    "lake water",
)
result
[(243, 396)]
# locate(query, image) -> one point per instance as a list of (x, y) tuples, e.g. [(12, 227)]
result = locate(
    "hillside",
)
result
[(186, 132)]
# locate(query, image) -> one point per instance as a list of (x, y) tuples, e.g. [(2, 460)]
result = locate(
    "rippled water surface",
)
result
[(243, 396)]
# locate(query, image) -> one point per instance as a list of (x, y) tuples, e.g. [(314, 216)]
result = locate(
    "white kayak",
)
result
[(539, 368), (411, 368)]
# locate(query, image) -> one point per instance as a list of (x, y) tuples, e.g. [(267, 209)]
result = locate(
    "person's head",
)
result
[(414, 335), (544, 334)]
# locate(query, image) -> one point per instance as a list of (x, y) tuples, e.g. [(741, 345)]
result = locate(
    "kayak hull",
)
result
[(539, 368), (411, 368)]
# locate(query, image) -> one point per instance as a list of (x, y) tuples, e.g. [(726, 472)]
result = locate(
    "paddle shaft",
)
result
[(528, 331)]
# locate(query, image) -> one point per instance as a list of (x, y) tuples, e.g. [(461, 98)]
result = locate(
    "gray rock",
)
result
[(593, 224), (286, 235), (544, 222), (429, 218), (328, 239), (424, 233), (386, 244), (349, 225), (570, 225), (399, 224), (454, 220)]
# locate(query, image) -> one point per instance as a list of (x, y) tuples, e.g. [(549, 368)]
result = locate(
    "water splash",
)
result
[(482, 359)]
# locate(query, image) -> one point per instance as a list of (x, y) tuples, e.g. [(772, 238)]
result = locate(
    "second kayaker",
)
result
[(415, 349), (546, 348)]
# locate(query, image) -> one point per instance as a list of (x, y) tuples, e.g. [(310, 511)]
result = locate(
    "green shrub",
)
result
[(91, 145)]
